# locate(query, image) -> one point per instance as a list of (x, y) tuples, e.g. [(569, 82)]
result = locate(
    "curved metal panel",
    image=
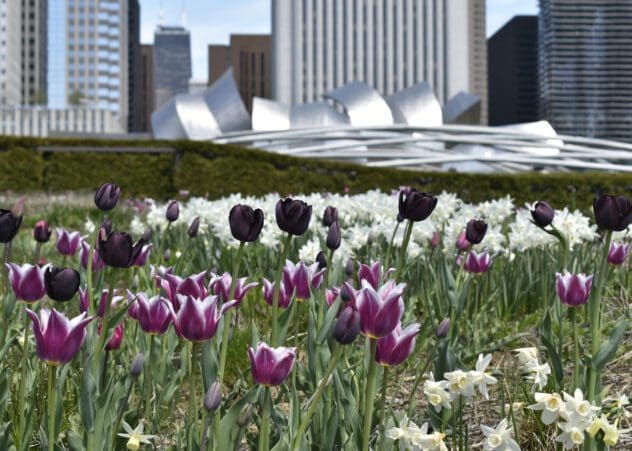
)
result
[(317, 114), (539, 128), (225, 104), (268, 115), (363, 104), (463, 108), (416, 106), (165, 123), (195, 117)]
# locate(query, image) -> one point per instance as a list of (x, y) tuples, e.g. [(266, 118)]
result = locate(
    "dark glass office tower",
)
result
[(172, 62)]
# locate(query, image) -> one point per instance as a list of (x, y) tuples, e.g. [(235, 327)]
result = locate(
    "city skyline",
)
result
[(212, 21)]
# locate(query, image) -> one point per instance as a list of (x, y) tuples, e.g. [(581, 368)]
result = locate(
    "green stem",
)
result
[(178, 265), (411, 405), (370, 394), (148, 381), (104, 328), (23, 375), (52, 374), (383, 408), (389, 250), (89, 268), (119, 416), (402, 254), (193, 404), (316, 399), (576, 368), (264, 432), (36, 252), (277, 288)]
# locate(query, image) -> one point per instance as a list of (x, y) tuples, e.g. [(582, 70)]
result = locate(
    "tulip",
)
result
[(271, 366), (542, 214), (61, 283), (435, 240), (117, 249), (27, 281), (106, 196), (380, 310), (153, 314), (213, 397), (293, 216), (220, 285), (443, 328), (116, 339), (618, 253), (141, 258), (330, 216), (477, 263), (462, 243), (347, 326), (245, 223), (475, 231), (612, 212), (333, 237), (173, 211), (84, 301), (194, 227), (136, 368), (321, 259), (573, 289), (197, 319), (349, 268), (372, 274), (41, 231), (394, 348), (285, 295), (301, 278), (106, 226), (58, 339), (331, 294), (416, 206), (68, 242), (189, 286), (97, 263), (9, 225)]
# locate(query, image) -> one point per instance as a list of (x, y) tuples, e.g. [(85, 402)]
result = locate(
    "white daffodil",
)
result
[(527, 356), (433, 442), (459, 383), (577, 408), (572, 435), (135, 436), (539, 375), (551, 405), (479, 377), (436, 393), (499, 438)]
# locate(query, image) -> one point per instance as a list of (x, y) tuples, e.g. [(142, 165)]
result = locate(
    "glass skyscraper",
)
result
[(172, 62)]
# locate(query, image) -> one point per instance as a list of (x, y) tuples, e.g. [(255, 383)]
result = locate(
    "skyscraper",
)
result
[(34, 51), (135, 67), (585, 62), (147, 88), (10, 52), (512, 55), (172, 62), (319, 45)]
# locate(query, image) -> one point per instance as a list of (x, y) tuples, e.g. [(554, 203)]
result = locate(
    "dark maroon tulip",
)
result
[(293, 216), (173, 211), (330, 216), (573, 289), (116, 339), (347, 326), (542, 214), (618, 253), (61, 283), (349, 268), (245, 223), (416, 206), (41, 231), (194, 227), (333, 237), (117, 249), (106, 196), (9, 225), (475, 231), (612, 212), (396, 346), (271, 366), (321, 260)]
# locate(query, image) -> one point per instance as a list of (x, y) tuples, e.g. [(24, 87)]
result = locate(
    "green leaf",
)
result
[(608, 349), (330, 317), (558, 370), (228, 428), (86, 400)]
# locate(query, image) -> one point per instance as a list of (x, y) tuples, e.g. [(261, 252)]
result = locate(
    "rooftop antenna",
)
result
[(161, 17), (184, 13)]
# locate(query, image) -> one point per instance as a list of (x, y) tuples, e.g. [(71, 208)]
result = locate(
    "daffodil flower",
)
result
[(135, 436)]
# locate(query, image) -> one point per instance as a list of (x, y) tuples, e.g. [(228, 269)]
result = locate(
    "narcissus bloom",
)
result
[(381, 310), (551, 405), (573, 289), (271, 366), (58, 339), (499, 438), (477, 263), (27, 281), (68, 242), (198, 319), (394, 348), (618, 253)]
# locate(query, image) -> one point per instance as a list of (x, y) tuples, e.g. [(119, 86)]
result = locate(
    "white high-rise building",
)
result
[(319, 45), (10, 52)]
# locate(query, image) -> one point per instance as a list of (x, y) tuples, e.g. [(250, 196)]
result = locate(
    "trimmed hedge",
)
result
[(217, 170)]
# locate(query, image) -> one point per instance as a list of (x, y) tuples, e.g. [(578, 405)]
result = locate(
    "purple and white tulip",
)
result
[(618, 253), (285, 295), (394, 348), (198, 319), (477, 263), (302, 278), (220, 286), (381, 310), (271, 366), (68, 242), (27, 281), (141, 258), (573, 289), (153, 314), (97, 263)]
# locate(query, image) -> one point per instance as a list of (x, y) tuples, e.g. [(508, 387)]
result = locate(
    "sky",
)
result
[(212, 21)]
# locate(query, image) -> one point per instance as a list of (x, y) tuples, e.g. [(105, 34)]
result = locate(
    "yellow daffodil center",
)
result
[(495, 440)]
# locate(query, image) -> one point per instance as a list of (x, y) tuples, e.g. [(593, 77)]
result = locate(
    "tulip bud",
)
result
[(245, 223), (349, 268), (194, 227), (612, 212), (399, 218), (173, 211), (462, 243), (147, 234), (618, 253), (213, 397), (245, 416), (167, 255), (475, 231), (330, 216), (41, 231), (344, 293), (137, 365), (293, 216), (9, 225), (416, 206), (61, 283), (333, 236), (443, 328), (435, 240), (321, 260), (106, 196), (542, 214), (347, 326), (106, 226), (117, 338)]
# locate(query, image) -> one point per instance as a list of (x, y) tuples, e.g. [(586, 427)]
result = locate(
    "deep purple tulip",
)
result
[(349, 267), (9, 225), (333, 237), (197, 319), (116, 339), (194, 227), (106, 226), (330, 216), (321, 259), (462, 243), (301, 278), (271, 366), (220, 286), (106, 196), (380, 310), (97, 263), (61, 283), (27, 281), (416, 206), (573, 289), (293, 216), (542, 214), (612, 212), (618, 253), (477, 263), (475, 231), (68, 242), (58, 339), (41, 231), (173, 211), (141, 258), (245, 223), (285, 296), (347, 326), (117, 249), (396, 346), (153, 314)]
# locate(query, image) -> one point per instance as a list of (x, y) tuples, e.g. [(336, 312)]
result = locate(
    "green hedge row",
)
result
[(217, 170)]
